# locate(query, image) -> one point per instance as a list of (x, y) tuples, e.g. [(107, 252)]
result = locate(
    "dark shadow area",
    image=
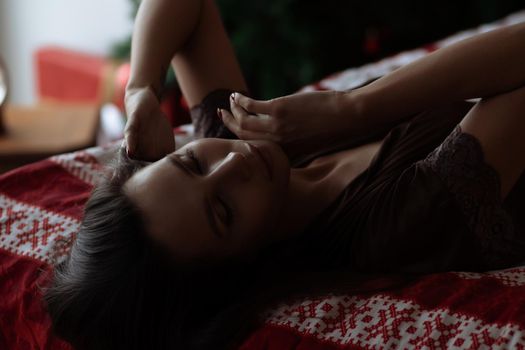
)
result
[(285, 44)]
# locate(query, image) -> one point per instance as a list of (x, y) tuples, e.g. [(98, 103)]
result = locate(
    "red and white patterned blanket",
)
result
[(41, 204)]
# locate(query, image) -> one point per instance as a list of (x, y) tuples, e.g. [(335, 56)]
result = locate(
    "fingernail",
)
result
[(219, 113), (232, 96)]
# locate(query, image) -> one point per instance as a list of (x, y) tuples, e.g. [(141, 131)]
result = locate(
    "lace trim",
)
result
[(460, 163)]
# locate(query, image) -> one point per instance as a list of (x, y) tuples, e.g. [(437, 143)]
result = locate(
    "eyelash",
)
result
[(191, 155), (229, 215)]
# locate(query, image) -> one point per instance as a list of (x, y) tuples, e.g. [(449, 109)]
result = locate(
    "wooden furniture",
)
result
[(36, 132)]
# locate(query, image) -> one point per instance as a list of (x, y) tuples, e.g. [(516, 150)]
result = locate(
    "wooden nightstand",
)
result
[(37, 132)]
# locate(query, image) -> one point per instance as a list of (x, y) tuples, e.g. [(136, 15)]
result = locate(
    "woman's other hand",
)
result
[(148, 134), (296, 121)]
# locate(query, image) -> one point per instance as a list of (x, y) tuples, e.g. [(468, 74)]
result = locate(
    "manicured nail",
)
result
[(219, 113)]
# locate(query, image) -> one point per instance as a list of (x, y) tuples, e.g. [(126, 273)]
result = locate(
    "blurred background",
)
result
[(77, 52), (27, 25), (282, 44)]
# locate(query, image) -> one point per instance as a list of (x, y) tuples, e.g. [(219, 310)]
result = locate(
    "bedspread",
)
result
[(41, 207)]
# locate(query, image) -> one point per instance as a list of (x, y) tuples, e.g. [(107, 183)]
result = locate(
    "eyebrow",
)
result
[(175, 160)]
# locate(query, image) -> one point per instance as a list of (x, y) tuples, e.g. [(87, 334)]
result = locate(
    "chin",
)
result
[(280, 160)]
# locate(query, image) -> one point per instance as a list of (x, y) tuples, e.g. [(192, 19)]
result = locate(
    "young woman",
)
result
[(398, 176)]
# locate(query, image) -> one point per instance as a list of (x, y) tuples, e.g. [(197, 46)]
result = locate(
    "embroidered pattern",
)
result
[(345, 321), (34, 232), (382, 322), (514, 277), (82, 165)]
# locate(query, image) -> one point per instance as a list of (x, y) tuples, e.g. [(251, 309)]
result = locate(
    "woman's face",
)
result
[(221, 203)]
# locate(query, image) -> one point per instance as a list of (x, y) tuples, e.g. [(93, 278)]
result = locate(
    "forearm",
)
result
[(485, 65), (162, 27)]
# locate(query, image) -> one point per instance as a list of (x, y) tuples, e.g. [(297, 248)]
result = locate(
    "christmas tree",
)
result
[(285, 44)]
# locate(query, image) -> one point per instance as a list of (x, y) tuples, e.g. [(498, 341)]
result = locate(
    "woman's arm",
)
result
[(161, 28), (485, 65), (490, 66), (190, 35)]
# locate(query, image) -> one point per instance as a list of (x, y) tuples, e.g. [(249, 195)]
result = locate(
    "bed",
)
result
[(41, 206)]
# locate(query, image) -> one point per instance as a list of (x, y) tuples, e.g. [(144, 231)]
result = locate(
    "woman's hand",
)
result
[(296, 121), (148, 134)]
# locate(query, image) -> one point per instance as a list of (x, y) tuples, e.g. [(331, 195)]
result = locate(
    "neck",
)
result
[(312, 188), (308, 194)]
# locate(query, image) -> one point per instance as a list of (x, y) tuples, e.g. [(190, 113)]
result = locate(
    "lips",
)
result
[(263, 157)]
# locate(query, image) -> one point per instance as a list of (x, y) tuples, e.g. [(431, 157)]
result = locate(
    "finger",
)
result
[(251, 105), (245, 134), (130, 137), (239, 120), (229, 121), (130, 140), (247, 121), (123, 147), (236, 109)]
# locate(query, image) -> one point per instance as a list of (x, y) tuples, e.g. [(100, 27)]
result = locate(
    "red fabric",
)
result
[(24, 323), (121, 80), (448, 310), (71, 76), (47, 185), (41, 207), (68, 75), (272, 337)]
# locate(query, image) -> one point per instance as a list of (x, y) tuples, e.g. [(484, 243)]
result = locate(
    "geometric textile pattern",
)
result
[(30, 231), (41, 205), (382, 322), (510, 277), (82, 165)]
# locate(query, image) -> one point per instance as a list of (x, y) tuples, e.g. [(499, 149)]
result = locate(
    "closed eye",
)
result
[(225, 213), (189, 153), (211, 214)]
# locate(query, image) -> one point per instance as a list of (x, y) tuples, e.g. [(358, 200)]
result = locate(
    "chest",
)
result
[(344, 166)]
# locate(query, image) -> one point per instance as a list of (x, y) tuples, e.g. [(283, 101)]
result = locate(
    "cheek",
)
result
[(259, 210)]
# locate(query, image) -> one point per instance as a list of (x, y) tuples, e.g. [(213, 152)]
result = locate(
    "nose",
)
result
[(234, 167)]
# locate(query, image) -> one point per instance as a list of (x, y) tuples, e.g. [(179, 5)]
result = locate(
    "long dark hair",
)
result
[(119, 290)]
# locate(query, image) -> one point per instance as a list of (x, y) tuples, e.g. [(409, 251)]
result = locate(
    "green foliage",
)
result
[(285, 44)]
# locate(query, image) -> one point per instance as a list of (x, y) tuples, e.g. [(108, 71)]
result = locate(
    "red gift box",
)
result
[(70, 76)]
